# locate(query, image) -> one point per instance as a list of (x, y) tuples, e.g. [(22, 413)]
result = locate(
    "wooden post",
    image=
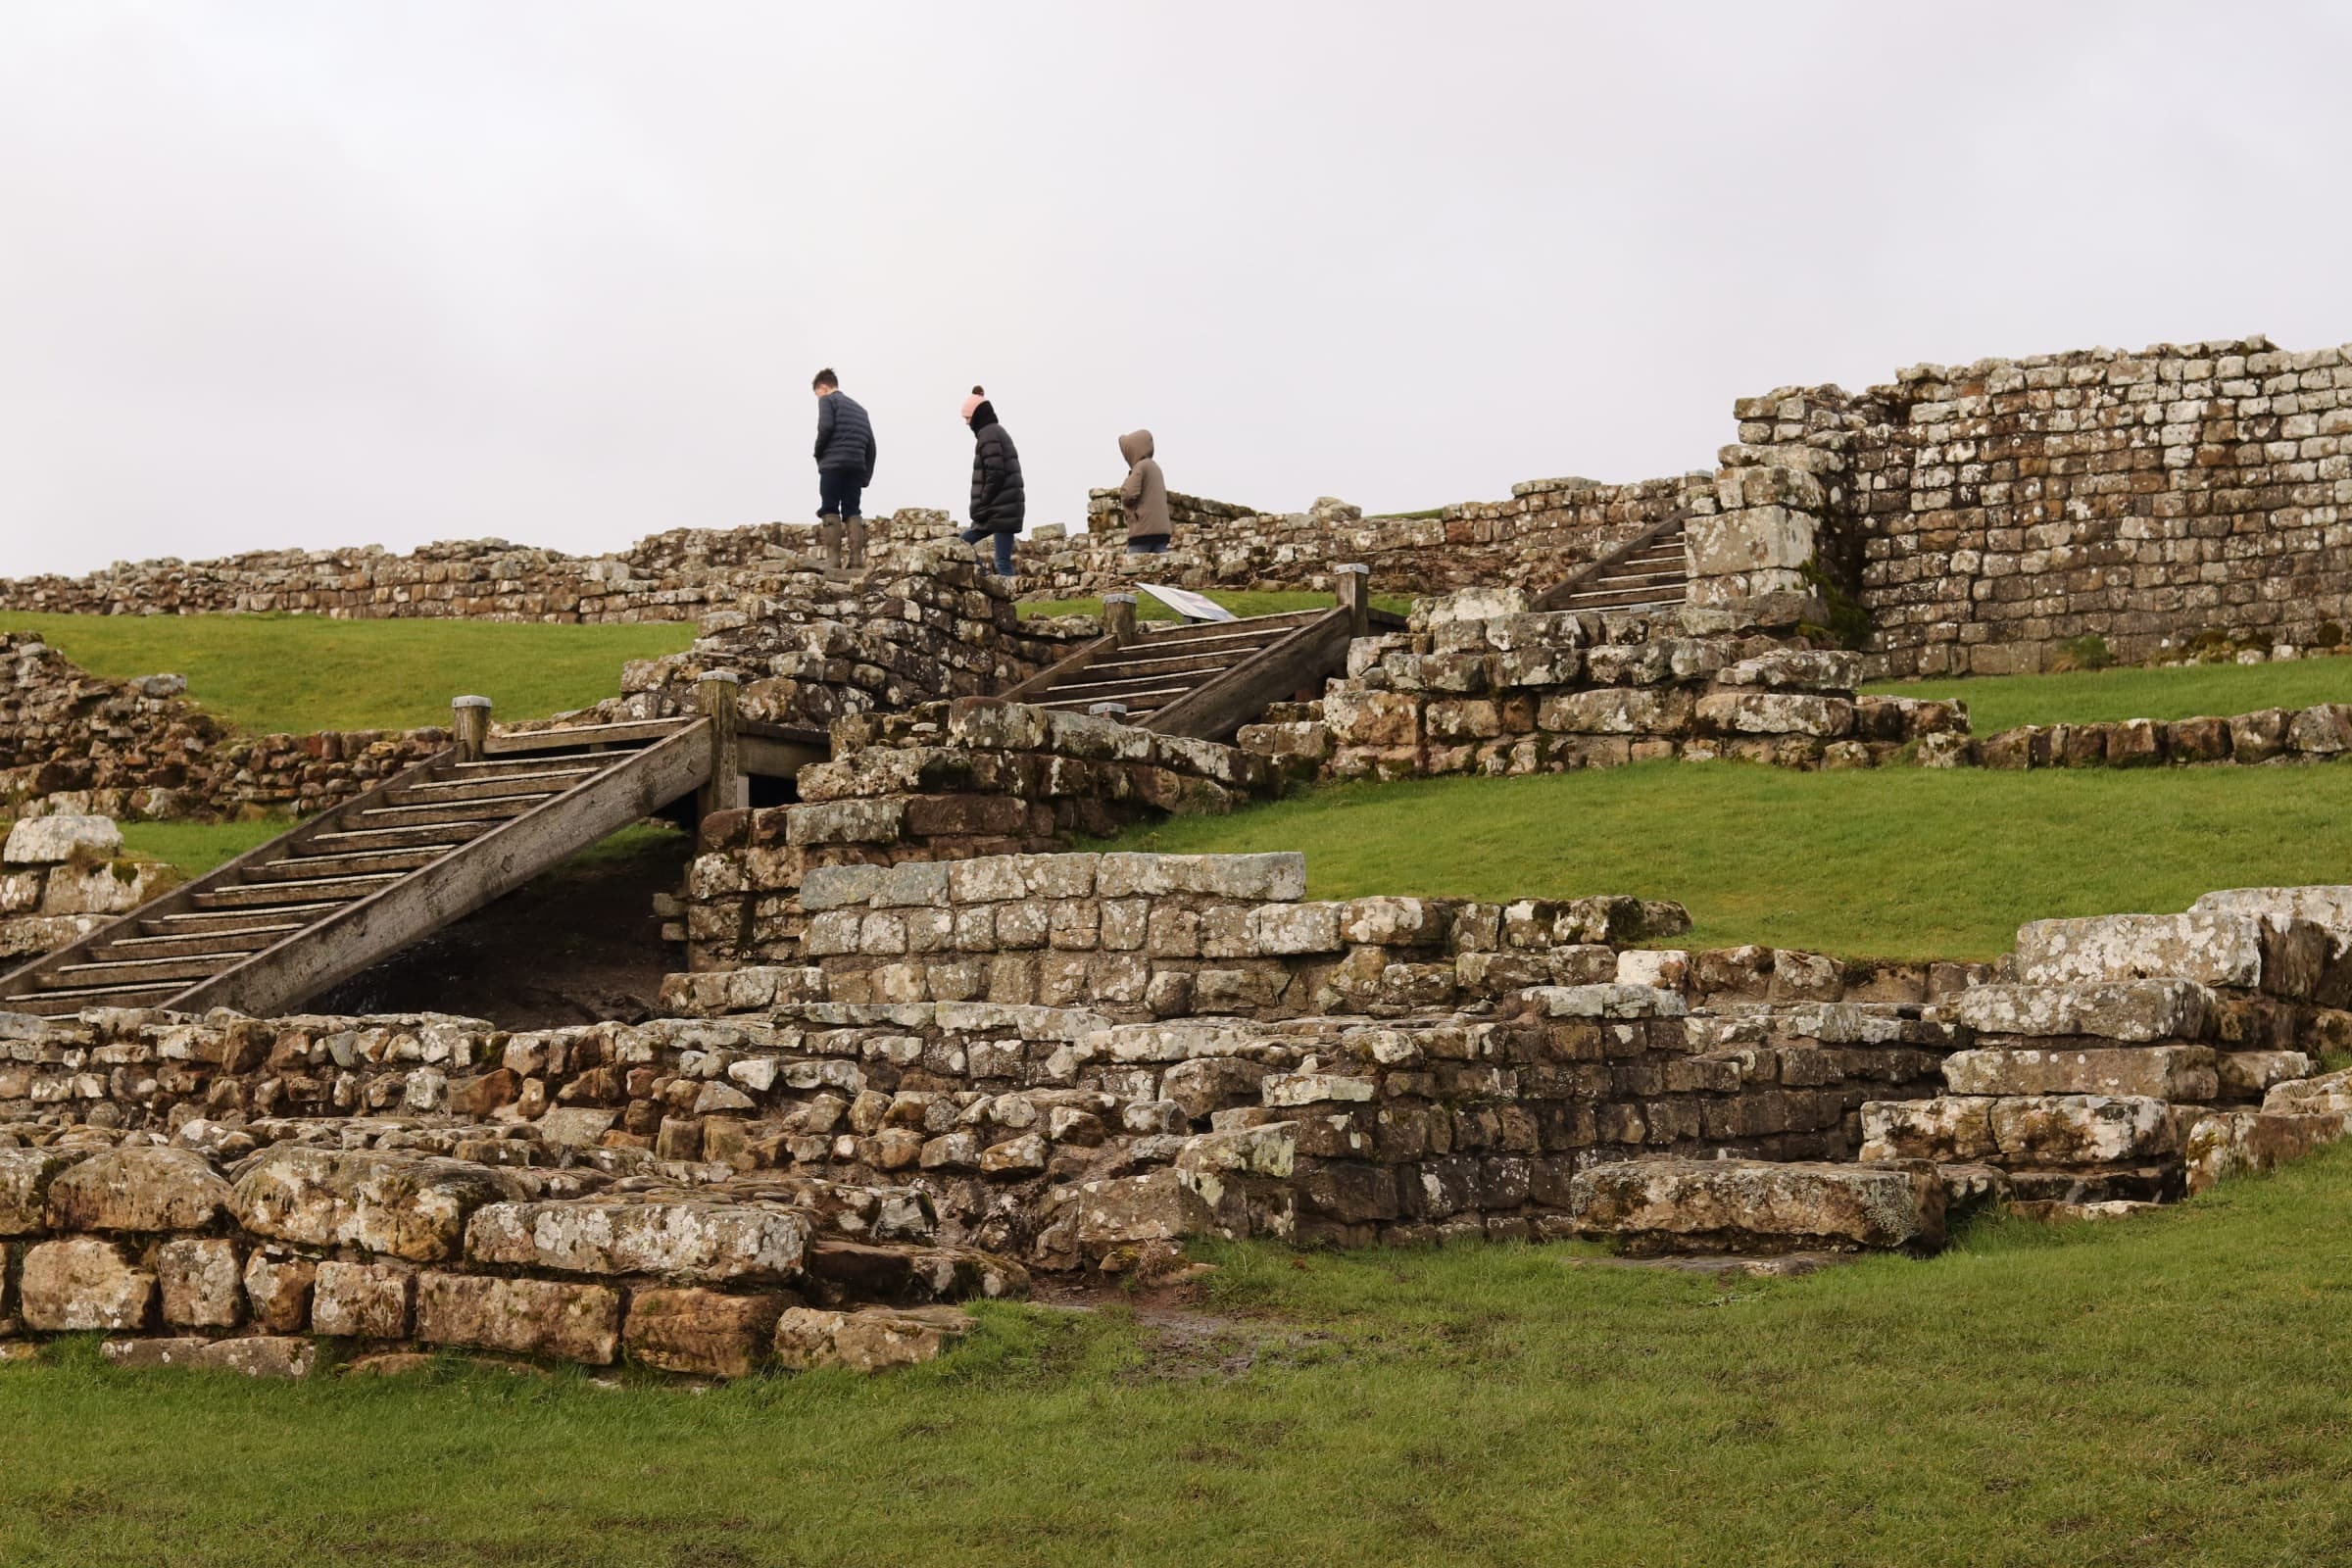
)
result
[(1353, 585), (469, 726), (1118, 617), (727, 788)]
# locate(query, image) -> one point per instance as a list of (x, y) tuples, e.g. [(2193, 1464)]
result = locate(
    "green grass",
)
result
[(197, 847), (1996, 703), (2173, 1389), (1896, 863), (1240, 603), (297, 673)]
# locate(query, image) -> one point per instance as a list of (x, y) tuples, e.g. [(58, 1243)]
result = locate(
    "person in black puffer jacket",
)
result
[(999, 501)]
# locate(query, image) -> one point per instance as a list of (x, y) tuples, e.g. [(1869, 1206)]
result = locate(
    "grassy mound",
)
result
[(1996, 703), (2169, 1390), (1896, 863), (293, 674)]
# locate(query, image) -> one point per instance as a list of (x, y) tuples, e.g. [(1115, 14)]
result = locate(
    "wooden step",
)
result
[(1122, 665), (193, 966), (1143, 702), (540, 783), (627, 732), (408, 835), (1267, 628), (65, 1004), (251, 937), (259, 895), (215, 921), (1115, 690), (311, 867), (490, 810)]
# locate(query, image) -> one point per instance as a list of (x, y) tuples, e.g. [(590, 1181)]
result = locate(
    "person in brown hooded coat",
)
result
[(1143, 497)]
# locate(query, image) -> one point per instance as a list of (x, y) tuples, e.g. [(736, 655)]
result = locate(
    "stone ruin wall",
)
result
[(62, 877)]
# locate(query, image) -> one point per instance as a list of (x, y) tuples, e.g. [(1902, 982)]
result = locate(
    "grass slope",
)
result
[(197, 847), (1996, 703), (1896, 863), (1147, 608), (2173, 1389), (297, 673)]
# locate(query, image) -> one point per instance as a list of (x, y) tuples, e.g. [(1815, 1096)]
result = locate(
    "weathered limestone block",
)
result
[(202, 1279), (2330, 907), (706, 1241), (1798, 669), (2137, 1011), (2165, 1072), (2233, 1142), (2083, 1129), (524, 1317), (25, 1175), (1287, 1090), (2238, 951), (52, 840), (1617, 711), (1776, 713), (145, 1189), (363, 1301), (1944, 1129), (394, 1204), (1727, 543), (278, 1291), (873, 1339), (260, 1356), (1121, 1212), (82, 1283), (2251, 1074), (1747, 1205), (702, 1333), (2330, 1093), (1607, 1002)]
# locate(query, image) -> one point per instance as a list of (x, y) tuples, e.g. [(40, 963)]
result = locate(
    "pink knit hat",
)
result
[(977, 398)]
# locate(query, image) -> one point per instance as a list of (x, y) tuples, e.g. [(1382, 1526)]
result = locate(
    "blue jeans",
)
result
[(972, 536), (1155, 545), (837, 492)]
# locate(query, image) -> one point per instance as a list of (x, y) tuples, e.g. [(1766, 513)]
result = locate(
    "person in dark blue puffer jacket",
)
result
[(844, 466)]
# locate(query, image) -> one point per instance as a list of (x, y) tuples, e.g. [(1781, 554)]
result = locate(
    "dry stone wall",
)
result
[(1546, 530), (62, 877)]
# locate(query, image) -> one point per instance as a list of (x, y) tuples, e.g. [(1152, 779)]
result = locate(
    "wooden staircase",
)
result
[(1205, 679), (357, 884), (1648, 571)]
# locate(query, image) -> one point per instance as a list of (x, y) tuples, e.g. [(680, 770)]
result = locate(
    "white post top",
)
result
[(1353, 565), (1107, 710), (721, 674), (469, 702), (1119, 599)]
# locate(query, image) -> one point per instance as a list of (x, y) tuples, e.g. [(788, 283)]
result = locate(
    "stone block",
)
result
[(702, 1333), (2235, 1143), (1768, 539), (395, 1204), (1617, 711), (2330, 1093), (1607, 1002), (2133, 1011), (2083, 1129), (260, 1356), (277, 1289), (559, 1321), (1776, 713), (873, 1339), (25, 1175), (705, 1241), (144, 1190), (1942, 1129), (1743, 1205), (363, 1301), (2163, 1072), (201, 1281), (2240, 952), (53, 840), (80, 1283)]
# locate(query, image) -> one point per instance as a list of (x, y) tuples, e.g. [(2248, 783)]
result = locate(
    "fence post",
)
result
[(1118, 617), (725, 789), (1353, 584), (469, 726)]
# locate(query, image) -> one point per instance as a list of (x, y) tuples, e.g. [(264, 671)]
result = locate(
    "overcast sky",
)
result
[(559, 271)]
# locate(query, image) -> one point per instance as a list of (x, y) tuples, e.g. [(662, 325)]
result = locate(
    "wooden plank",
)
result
[(181, 966), (182, 900), (350, 939), (546, 781), (488, 808), (774, 758), (311, 867), (226, 938), (627, 732), (259, 895), (1214, 711), (399, 838), (213, 919)]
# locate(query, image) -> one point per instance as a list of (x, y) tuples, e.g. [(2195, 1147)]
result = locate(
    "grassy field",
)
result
[(2172, 1390), (1996, 703), (1895, 863), (297, 673), (197, 847), (1240, 603)]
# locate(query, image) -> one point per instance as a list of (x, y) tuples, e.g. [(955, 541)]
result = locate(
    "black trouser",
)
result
[(837, 492), (1004, 538)]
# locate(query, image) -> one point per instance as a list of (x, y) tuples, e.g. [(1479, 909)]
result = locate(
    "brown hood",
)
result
[(1135, 446)]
